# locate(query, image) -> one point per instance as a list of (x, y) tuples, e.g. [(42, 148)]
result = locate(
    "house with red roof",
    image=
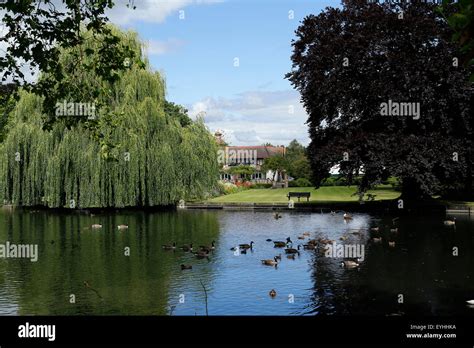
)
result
[(253, 156)]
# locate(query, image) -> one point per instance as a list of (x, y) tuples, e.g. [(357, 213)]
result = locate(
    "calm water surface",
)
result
[(421, 267)]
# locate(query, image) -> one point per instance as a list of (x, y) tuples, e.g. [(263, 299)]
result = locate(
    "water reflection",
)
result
[(92, 265)]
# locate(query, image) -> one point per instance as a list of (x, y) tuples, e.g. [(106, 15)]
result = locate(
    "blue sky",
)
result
[(197, 43)]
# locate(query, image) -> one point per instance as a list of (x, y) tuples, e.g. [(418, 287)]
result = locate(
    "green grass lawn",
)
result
[(323, 194)]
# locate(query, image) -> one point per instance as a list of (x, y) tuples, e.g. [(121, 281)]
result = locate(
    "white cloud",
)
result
[(200, 106), (248, 137), (158, 47), (256, 117), (151, 11)]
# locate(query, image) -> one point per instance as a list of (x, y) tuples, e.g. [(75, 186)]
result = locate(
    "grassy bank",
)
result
[(324, 194)]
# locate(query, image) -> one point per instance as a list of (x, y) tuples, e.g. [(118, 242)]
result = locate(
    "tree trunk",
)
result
[(468, 184), (411, 190)]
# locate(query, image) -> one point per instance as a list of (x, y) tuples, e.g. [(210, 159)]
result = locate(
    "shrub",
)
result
[(243, 184), (262, 186), (303, 182), (328, 182), (229, 188), (356, 181), (341, 181)]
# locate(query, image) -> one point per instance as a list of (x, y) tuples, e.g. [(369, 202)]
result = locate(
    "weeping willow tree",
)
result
[(131, 154)]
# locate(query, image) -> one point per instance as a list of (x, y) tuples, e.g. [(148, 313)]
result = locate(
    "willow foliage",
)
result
[(134, 154)]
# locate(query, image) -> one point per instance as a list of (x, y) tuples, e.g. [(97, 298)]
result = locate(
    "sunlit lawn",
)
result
[(323, 194)]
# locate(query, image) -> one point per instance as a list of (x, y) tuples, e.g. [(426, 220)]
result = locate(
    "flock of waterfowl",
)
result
[(290, 249), (119, 227), (202, 252), (319, 244), (316, 244)]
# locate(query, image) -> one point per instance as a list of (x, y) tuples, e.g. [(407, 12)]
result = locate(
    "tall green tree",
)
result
[(295, 150), (349, 62), (277, 164), (144, 156), (298, 163), (300, 168), (177, 111)]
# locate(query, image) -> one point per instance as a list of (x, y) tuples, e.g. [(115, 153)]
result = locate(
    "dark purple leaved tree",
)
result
[(351, 63)]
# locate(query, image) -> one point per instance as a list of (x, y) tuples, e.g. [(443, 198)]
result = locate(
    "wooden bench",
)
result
[(299, 195)]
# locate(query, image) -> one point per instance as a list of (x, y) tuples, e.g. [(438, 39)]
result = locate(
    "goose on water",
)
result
[(450, 222), (279, 244), (347, 216), (208, 248), (270, 262), (349, 264), (202, 255), (293, 250), (169, 247), (246, 246), (187, 247)]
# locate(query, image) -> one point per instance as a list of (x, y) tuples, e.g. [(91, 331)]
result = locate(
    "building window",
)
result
[(225, 176)]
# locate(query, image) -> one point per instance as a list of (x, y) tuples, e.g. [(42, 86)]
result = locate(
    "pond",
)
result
[(109, 271)]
